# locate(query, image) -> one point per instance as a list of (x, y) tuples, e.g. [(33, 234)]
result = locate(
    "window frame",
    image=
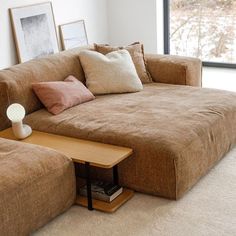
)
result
[(166, 20)]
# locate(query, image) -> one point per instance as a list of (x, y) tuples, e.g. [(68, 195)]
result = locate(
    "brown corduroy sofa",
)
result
[(177, 129), (36, 185)]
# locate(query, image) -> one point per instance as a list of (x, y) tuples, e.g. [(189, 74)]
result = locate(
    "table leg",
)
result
[(115, 175), (88, 182)]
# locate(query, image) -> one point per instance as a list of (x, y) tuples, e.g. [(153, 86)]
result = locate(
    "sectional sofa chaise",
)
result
[(177, 129)]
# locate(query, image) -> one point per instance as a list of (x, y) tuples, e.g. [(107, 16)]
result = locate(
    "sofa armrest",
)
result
[(175, 69)]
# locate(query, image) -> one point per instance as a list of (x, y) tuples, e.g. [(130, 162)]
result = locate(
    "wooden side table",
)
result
[(88, 153)]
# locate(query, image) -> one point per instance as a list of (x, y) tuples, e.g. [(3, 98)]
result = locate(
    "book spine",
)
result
[(96, 195)]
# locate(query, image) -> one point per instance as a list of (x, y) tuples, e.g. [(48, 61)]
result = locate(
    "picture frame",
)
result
[(73, 35), (34, 31)]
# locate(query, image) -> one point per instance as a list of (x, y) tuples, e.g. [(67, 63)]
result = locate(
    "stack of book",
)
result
[(102, 191)]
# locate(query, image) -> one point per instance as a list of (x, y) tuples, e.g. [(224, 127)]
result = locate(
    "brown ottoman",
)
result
[(36, 184)]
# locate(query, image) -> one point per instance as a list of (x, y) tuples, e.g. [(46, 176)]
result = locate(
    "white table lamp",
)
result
[(16, 113)]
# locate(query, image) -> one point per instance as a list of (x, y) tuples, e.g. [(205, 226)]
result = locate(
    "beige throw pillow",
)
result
[(137, 54), (111, 73)]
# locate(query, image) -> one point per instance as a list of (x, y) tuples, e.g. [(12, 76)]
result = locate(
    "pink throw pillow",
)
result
[(60, 95)]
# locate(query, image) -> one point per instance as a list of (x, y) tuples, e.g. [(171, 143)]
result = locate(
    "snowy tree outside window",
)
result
[(204, 28)]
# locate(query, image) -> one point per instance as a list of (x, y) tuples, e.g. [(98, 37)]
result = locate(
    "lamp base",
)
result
[(21, 131)]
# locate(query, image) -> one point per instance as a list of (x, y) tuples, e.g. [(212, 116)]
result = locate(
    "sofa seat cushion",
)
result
[(177, 132), (36, 184)]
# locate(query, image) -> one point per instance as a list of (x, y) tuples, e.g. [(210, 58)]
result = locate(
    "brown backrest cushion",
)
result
[(16, 82), (137, 53)]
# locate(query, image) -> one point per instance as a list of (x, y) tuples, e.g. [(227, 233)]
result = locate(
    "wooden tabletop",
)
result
[(79, 150)]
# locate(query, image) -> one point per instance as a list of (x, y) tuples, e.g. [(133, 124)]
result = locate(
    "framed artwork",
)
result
[(34, 31), (73, 35)]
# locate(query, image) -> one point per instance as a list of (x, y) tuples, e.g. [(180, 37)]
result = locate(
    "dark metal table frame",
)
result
[(88, 182)]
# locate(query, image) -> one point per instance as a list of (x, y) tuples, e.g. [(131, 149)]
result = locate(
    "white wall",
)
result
[(219, 78), (94, 12), (131, 21), (160, 26)]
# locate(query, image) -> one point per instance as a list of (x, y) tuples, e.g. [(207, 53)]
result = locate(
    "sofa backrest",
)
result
[(16, 81)]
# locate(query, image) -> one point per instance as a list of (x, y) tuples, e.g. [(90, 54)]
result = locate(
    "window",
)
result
[(202, 28)]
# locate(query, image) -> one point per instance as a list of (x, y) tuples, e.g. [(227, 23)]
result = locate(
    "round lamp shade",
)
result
[(15, 112)]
